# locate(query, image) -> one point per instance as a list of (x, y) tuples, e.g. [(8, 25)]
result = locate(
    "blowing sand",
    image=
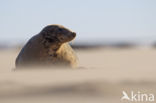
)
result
[(107, 72)]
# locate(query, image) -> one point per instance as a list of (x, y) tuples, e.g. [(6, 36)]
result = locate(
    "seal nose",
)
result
[(74, 34)]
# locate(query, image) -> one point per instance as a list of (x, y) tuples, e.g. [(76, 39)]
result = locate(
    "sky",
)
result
[(92, 20)]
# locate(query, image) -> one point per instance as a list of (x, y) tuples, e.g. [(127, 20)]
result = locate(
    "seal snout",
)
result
[(73, 34)]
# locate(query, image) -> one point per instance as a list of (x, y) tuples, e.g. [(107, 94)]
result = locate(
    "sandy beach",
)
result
[(105, 74)]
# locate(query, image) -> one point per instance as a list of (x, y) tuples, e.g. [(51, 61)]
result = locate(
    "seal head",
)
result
[(57, 34)]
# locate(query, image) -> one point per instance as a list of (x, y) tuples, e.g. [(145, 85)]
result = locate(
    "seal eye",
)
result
[(60, 29)]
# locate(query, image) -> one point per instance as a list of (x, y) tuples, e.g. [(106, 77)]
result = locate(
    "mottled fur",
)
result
[(49, 48)]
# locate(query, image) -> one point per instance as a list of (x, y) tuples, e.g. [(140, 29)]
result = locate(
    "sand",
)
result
[(105, 74)]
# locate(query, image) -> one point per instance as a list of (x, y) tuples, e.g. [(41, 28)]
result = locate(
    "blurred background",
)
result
[(96, 21), (115, 44)]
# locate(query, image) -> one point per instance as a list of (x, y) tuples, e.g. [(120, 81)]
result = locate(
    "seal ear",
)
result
[(50, 40)]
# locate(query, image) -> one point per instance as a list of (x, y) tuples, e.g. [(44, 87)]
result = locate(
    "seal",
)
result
[(50, 47)]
